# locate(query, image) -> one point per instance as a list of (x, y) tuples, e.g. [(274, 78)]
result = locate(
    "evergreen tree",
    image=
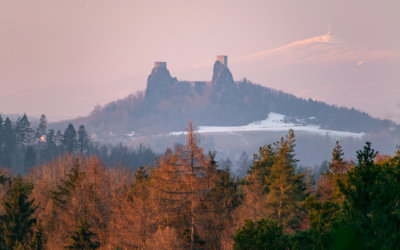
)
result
[(41, 130), (1, 125), (371, 197), (82, 237), (67, 186), (243, 164), (83, 140), (1, 140), (18, 220), (69, 139), (324, 207), (30, 158), (10, 144), (360, 184), (263, 162), (59, 138), (286, 188), (264, 234), (23, 131), (51, 147)]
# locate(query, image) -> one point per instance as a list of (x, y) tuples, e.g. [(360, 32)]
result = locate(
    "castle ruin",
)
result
[(160, 65), (223, 59)]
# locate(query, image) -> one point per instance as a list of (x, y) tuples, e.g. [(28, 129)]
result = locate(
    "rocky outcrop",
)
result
[(159, 85), (224, 89)]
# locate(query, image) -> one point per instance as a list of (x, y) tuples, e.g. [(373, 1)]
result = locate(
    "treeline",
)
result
[(22, 147), (186, 201)]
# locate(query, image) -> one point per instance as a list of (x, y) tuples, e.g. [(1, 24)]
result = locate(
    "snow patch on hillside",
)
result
[(274, 122)]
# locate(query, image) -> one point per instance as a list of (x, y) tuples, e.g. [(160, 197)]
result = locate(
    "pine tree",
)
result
[(82, 237), (286, 188), (83, 139), (18, 220), (69, 139)]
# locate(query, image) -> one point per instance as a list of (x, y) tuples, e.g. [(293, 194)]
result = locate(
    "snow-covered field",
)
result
[(274, 122)]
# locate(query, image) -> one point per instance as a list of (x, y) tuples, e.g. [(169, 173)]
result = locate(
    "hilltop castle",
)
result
[(223, 59), (161, 86)]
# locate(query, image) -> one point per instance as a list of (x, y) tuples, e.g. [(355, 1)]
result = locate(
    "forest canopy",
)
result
[(185, 199)]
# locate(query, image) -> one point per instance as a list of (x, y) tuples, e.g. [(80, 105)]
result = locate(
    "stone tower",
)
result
[(160, 65), (223, 59)]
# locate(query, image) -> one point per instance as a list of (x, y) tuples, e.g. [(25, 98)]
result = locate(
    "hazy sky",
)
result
[(62, 57)]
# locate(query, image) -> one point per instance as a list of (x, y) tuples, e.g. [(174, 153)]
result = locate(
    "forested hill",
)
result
[(168, 104)]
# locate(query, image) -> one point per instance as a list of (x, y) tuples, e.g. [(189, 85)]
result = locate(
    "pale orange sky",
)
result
[(62, 57)]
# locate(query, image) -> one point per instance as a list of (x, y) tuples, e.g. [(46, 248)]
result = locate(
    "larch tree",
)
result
[(171, 194), (193, 162), (217, 205), (179, 185)]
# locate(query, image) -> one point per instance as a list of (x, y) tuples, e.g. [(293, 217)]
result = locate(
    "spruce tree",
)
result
[(286, 188), (82, 237), (67, 186), (18, 221), (41, 130), (69, 139), (327, 185), (23, 131), (51, 147), (1, 140), (30, 158), (243, 164), (10, 144), (83, 140), (263, 234)]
